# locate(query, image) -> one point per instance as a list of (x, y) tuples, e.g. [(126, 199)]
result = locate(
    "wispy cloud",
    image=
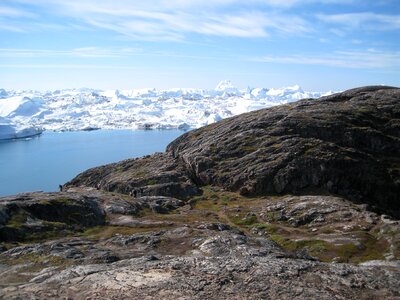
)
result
[(66, 66), (96, 52), (8, 15), (175, 25), (11, 12), (221, 3), (183, 4), (5, 26), (175, 19), (370, 59), (365, 20), (28, 23), (86, 52)]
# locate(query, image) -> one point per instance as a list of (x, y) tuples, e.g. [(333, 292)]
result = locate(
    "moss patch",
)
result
[(57, 201), (361, 249), (18, 220), (28, 266), (246, 221), (151, 182), (105, 232), (248, 148)]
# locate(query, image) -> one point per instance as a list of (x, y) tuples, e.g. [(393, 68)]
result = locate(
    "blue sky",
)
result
[(319, 44)]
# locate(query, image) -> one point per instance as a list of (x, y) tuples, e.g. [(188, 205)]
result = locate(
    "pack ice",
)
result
[(25, 113)]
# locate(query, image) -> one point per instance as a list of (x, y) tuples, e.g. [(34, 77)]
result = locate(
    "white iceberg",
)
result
[(227, 88), (3, 93), (86, 109), (10, 131), (20, 106)]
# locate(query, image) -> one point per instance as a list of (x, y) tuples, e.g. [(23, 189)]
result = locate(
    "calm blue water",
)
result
[(44, 162)]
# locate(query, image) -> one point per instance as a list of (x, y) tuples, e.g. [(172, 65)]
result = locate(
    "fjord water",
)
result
[(42, 163)]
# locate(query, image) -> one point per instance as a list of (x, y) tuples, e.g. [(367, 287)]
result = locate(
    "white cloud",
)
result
[(13, 28), (175, 19), (96, 58), (86, 52), (11, 12), (370, 59), (363, 20), (93, 52), (270, 3), (181, 4), (175, 25), (27, 27), (96, 52), (65, 66)]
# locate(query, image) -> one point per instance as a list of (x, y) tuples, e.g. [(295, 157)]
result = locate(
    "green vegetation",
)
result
[(315, 248), (34, 258), (217, 205), (214, 200), (29, 265), (234, 210), (270, 228), (362, 248), (276, 146), (57, 201), (151, 182), (105, 232), (18, 228), (273, 216), (18, 220), (248, 148), (246, 221), (144, 212), (366, 109)]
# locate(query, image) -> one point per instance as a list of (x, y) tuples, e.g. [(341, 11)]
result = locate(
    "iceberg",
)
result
[(227, 88), (9, 131), (27, 112), (3, 93)]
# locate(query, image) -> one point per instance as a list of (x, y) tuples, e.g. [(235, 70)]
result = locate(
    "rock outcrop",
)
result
[(152, 175), (35, 216), (215, 277), (347, 144)]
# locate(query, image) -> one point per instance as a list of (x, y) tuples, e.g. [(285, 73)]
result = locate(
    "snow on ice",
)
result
[(24, 113)]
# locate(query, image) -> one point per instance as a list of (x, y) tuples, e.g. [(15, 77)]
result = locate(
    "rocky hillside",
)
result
[(347, 144), (299, 201), (86, 243)]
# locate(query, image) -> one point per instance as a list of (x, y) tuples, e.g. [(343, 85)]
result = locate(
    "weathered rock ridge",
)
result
[(347, 144)]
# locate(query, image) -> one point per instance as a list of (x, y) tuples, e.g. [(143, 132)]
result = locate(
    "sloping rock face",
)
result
[(347, 144), (154, 175), (31, 215)]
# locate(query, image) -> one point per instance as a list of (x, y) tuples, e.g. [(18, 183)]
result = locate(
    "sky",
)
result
[(320, 45)]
